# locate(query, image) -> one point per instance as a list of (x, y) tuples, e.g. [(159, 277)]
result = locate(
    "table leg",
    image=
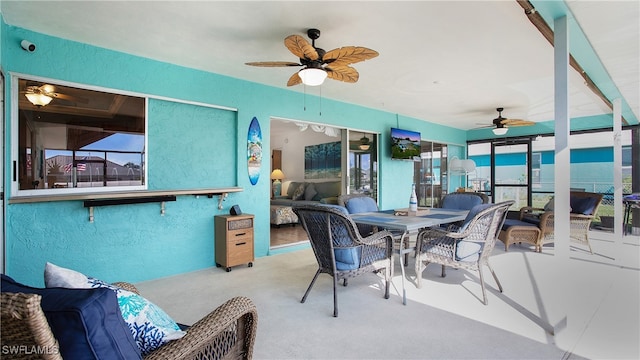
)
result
[(400, 253)]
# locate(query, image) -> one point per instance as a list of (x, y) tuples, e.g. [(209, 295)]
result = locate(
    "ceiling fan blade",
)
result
[(294, 80), (342, 73), (69, 98), (348, 55), (300, 47), (273, 63), (517, 122)]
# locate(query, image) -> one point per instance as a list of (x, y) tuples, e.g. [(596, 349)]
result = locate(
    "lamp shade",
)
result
[(312, 76), (468, 165), (277, 174), (455, 165), (38, 99), (500, 130)]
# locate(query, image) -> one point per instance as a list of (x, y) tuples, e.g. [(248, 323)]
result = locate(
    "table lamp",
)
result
[(277, 175)]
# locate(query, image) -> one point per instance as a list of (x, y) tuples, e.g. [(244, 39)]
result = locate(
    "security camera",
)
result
[(27, 45)]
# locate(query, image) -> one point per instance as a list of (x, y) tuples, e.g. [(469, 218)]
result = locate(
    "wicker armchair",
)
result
[(584, 207), (468, 248), (340, 250), (228, 332)]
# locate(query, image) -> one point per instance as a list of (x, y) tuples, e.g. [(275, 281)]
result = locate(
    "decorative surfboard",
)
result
[(254, 150)]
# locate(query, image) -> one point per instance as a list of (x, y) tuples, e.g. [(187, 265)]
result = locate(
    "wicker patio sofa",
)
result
[(228, 332), (536, 225)]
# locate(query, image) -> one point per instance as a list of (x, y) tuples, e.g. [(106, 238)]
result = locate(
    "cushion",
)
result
[(348, 258), (472, 213), (150, 326), (87, 323), (583, 205), (332, 200), (342, 209), (310, 192), (327, 189), (293, 185), (298, 194), (361, 204), (515, 222), (461, 201), (468, 250)]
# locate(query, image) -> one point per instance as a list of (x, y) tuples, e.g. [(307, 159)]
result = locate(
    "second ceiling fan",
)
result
[(501, 125), (318, 63)]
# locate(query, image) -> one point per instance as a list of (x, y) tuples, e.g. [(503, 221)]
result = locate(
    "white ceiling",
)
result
[(448, 62)]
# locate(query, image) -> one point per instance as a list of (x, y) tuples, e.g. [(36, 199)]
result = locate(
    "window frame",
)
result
[(14, 139)]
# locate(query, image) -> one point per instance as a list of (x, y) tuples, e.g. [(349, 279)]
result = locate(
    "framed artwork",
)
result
[(323, 161)]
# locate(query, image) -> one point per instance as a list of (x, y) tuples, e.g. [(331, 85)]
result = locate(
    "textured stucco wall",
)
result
[(190, 146)]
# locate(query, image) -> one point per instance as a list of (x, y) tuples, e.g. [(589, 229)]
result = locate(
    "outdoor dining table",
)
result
[(411, 224)]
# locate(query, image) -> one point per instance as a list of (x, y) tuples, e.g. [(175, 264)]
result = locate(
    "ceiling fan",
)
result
[(501, 125), (319, 64), (41, 95)]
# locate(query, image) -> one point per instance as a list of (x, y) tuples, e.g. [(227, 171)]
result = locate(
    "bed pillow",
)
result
[(150, 326)]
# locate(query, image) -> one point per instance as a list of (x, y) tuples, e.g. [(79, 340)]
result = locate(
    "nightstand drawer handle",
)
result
[(241, 234), (242, 243)]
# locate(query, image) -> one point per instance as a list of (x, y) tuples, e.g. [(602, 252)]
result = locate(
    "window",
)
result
[(363, 164), (70, 139), (536, 161)]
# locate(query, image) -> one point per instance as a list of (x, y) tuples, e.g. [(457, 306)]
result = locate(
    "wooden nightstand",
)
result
[(233, 240)]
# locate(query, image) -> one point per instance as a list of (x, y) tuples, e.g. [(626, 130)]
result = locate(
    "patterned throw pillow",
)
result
[(150, 326), (299, 193)]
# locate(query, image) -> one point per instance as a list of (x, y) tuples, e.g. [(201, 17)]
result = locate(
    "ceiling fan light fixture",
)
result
[(500, 130), (364, 143), (38, 99), (312, 76)]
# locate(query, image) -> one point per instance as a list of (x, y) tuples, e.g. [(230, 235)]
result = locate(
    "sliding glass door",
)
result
[(430, 174)]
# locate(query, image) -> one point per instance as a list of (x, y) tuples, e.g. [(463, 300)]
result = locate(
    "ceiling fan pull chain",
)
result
[(320, 100)]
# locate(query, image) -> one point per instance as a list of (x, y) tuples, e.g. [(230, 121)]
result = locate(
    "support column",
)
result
[(562, 173), (617, 177), (635, 170)]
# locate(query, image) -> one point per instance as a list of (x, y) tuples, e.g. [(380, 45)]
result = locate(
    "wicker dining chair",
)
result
[(340, 250), (228, 332), (360, 203), (467, 248)]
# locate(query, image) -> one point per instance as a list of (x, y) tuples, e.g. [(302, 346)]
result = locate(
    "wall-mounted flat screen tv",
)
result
[(405, 144)]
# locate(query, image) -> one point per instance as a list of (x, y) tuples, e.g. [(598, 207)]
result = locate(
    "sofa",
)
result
[(536, 225), (304, 193)]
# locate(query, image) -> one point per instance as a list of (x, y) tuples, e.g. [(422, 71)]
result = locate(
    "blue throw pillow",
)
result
[(361, 204), (150, 326), (87, 323)]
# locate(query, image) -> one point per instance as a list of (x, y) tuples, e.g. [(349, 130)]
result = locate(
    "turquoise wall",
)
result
[(190, 146)]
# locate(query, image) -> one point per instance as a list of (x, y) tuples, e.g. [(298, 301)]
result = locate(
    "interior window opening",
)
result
[(71, 138)]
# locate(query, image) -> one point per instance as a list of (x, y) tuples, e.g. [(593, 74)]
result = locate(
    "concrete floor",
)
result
[(588, 307)]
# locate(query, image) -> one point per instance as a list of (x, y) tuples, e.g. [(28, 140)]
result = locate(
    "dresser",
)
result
[(233, 240)]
